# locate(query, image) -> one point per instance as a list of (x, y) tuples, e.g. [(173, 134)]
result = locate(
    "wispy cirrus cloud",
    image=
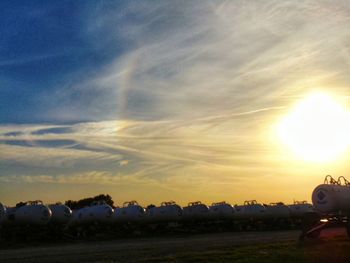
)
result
[(189, 102), (176, 158), (193, 60)]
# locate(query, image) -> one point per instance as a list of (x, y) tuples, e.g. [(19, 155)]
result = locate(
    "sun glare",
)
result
[(317, 129)]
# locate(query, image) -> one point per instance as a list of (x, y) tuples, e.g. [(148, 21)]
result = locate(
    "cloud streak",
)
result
[(190, 103), (202, 59)]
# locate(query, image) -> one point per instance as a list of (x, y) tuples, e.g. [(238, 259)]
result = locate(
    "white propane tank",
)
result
[(97, 212), (195, 210), (277, 210), (130, 212), (61, 214), (167, 211), (10, 215), (250, 210), (2, 214), (299, 208), (221, 210), (77, 216), (332, 196), (32, 212)]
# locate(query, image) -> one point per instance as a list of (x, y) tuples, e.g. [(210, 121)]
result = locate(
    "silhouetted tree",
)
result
[(20, 204), (87, 201), (150, 206)]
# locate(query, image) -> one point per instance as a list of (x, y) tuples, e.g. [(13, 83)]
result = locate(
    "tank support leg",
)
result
[(314, 231)]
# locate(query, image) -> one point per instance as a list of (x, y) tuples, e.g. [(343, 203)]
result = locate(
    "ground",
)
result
[(238, 247)]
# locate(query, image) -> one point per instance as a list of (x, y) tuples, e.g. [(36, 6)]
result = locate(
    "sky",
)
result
[(163, 100)]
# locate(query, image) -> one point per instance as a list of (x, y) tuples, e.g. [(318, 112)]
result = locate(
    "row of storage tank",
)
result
[(37, 213)]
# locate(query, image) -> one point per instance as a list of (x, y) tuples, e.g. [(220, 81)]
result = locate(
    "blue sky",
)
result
[(46, 45), (157, 100)]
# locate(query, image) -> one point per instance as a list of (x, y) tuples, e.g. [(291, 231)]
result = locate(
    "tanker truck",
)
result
[(331, 203)]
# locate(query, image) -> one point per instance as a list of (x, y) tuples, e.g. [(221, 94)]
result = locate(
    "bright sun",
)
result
[(317, 129)]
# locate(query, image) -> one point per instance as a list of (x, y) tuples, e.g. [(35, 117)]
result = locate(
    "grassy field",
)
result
[(336, 251), (244, 247)]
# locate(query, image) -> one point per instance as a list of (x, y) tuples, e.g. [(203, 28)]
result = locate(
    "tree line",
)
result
[(87, 201)]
